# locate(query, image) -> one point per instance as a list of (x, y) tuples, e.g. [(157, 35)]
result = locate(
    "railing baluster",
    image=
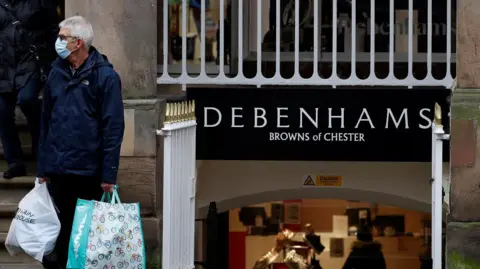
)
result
[(202, 39), (167, 240), (316, 40), (277, 39), (410, 41), (240, 39), (334, 40), (429, 39), (222, 39), (353, 54), (372, 39), (448, 75), (184, 39), (297, 40), (166, 38), (259, 38), (184, 193), (176, 247), (391, 35), (193, 176)]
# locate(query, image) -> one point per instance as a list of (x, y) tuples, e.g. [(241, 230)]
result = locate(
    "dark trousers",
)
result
[(27, 99), (65, 190)]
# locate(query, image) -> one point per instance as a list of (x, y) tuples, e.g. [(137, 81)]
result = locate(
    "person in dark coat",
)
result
[(366, 253), (82, 128), (27, 36)]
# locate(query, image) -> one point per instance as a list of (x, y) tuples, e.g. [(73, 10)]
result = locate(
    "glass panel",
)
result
[(194, 32)]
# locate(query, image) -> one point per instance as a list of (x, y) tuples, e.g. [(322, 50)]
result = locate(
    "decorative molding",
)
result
[(180, 111)]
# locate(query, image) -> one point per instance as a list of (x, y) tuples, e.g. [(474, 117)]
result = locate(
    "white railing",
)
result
[(179, 186), (248, 28)]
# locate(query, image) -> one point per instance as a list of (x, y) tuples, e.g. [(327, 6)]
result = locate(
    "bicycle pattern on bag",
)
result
[(115, 237)]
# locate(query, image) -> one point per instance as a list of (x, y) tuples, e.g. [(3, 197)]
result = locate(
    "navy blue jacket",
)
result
[(82, 120)]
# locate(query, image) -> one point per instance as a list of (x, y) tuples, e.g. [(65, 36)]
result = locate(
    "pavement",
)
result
[(20, 266)]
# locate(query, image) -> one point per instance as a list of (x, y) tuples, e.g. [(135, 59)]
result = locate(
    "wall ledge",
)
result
[(143, 104)]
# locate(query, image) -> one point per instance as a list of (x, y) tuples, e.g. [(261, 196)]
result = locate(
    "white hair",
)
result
[(80, 28)]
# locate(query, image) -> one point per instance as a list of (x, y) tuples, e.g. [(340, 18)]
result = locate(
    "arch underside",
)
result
[(317, 193)]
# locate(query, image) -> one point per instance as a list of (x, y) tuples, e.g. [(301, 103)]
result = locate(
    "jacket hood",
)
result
[(95, 60), (366, 245)]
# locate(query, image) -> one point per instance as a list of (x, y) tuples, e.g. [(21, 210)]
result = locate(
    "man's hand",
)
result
[(42, 180), (107, 187)]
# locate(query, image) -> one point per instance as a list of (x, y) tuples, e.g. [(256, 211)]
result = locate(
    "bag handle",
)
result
[(111, 197), (106, 197)]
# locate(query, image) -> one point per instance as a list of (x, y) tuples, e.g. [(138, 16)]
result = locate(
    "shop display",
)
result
[(295, 261), (358, 218), (257, 222), (298, 255), (317, 241), (272, 255), (390, 225), (312, 239)]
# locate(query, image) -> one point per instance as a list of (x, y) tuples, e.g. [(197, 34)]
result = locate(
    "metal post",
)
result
[(434, 165), (438, 135)]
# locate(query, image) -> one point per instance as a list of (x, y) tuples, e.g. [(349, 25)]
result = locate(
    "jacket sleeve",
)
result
[(112, 127), (45, 123)]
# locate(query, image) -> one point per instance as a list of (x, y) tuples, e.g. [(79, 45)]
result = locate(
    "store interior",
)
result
[(404, 235)]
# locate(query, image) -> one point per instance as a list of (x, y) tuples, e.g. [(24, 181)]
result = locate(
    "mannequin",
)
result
[(293, 259), (315, 243)]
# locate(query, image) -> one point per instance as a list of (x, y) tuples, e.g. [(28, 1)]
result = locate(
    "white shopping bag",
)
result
[(36, 226)]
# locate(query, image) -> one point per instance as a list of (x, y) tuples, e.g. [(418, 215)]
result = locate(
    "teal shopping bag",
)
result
[(116, 236), (107, 234), (78, 246), (77, 249)]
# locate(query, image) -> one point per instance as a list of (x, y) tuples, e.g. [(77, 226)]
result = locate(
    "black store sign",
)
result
[(313, 124)]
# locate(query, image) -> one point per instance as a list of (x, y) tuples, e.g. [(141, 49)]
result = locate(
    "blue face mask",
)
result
[(61, 48)]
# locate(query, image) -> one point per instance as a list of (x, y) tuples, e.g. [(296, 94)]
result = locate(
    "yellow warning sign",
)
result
[(322, 181), (328, 181), (309, 181)]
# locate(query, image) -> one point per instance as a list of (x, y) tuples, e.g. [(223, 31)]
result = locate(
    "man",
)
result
[(82, 127), (28, 29)]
